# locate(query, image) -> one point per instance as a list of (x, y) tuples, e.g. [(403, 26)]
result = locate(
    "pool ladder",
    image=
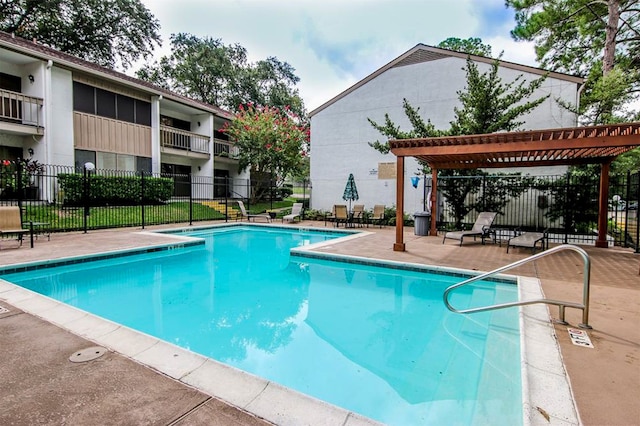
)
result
[(562, 305)]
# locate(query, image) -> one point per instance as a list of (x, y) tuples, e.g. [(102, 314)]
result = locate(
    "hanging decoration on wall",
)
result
[(415, 180)]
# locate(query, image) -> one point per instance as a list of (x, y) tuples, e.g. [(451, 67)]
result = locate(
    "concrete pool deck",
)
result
[(45, 386)]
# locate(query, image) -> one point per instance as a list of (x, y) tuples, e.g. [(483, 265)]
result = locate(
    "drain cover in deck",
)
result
[(88, 354)]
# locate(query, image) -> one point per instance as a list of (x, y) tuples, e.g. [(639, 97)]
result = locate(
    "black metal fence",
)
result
[(71, 199), (564, 205), (66, 198)]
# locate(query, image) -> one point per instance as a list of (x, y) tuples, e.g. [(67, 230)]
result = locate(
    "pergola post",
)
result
[(434, 201), (603, 205), (399, 244)]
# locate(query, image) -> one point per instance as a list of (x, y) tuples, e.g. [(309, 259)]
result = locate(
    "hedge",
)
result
[(114, 190)]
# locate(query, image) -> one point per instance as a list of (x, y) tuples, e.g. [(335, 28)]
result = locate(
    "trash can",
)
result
[(422, 223)]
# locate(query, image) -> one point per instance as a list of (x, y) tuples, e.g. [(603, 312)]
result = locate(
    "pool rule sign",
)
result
[(580, 338)]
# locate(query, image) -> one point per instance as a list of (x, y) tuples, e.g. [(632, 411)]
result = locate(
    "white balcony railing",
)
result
[(21, 109), (181, 139), (223, 148)]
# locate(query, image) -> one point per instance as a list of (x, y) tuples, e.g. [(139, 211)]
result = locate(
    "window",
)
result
[(143, 113), (106, 103), (84, 98), (126, 109), (83, 156), (106, 160)]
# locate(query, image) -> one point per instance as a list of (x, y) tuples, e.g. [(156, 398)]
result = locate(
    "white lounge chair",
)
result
[(482, 228), (247, 216), (529, 240), (296, 211)]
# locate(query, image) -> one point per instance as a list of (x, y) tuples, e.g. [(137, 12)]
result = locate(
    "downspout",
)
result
[(578, 95)]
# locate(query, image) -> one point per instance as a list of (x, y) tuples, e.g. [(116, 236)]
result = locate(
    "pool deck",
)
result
[(40, 385)]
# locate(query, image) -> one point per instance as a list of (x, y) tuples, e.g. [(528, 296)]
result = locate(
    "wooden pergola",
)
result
[(567, 146)]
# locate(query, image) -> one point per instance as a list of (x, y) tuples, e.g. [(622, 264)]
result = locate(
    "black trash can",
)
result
[(422, 223)]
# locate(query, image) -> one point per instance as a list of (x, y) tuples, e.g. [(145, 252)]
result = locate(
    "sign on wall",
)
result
[(387, 170)]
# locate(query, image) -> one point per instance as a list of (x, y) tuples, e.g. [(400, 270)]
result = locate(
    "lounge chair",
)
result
[(11, 222), (357, 215), (377, 215), (482, 228), (341, 215), (296, 211), (529, 240), (245, 215)]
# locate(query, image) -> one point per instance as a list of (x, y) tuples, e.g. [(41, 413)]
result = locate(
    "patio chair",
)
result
[(245, 215), (11, 222), (341, 215), (529, 240), (481, 228), (296, 211), (377, 215), (358, 214)]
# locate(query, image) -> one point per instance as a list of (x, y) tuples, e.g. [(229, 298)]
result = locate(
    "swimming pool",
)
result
[(359, 330)]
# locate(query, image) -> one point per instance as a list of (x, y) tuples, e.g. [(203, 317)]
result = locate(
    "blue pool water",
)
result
[(375, 340)]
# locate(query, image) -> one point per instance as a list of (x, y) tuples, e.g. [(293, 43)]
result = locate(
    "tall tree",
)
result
[(107, 32), (487, 105), (272, 143), (203, 69), (219, 74), (598, 39), (471, 45)]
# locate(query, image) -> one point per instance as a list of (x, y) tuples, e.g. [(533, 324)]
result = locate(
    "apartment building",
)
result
[(62, 110)]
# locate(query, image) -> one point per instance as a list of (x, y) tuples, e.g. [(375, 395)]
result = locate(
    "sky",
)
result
[(333, 44)]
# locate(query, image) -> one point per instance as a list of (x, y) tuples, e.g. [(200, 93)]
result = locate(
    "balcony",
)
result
[(181, 142), (224, 149), (20, 113)]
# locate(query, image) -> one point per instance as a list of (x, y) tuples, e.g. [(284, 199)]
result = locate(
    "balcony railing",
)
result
[(21, 109), (224, 149), (181, 139)]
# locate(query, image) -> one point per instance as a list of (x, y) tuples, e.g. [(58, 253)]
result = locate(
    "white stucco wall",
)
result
[(340, 132), (59, 118)]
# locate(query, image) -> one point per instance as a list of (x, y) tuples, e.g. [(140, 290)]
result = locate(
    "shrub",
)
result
[(115, 190)]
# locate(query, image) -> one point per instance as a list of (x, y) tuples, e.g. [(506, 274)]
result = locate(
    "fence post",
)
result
[(142, 196), (637, 211), (304, 196), (87, 168), (190, 199), (18, 184), (566, 208), (226, 199)]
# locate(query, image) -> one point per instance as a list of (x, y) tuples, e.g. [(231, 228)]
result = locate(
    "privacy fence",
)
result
[(72, 199)]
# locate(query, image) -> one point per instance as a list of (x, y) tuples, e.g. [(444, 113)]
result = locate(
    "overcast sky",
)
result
[(332, 44)]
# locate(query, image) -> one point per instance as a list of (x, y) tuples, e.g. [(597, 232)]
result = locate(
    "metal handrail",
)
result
[(585, 293)]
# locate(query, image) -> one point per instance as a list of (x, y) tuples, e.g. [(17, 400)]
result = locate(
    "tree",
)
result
[(107, 32), (471, 45), (487, 105), (208, 70), (202, 69), (272, 142), (598, 39)]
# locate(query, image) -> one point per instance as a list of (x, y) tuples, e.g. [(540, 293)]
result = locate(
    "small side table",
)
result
[(36, 228)]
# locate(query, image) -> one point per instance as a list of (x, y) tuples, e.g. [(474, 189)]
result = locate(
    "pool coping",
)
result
[(546, 387)]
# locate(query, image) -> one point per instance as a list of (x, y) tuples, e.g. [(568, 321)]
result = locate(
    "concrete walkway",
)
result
[(40, 385)]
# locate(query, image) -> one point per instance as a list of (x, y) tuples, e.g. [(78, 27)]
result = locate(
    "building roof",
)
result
[(424, 53), (40, 51), (565, 146)]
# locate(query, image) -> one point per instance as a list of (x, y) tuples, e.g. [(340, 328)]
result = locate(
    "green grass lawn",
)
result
[(72, 218)]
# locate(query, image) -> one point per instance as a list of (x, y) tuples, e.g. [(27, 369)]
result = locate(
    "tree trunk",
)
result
[(608, 59)]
